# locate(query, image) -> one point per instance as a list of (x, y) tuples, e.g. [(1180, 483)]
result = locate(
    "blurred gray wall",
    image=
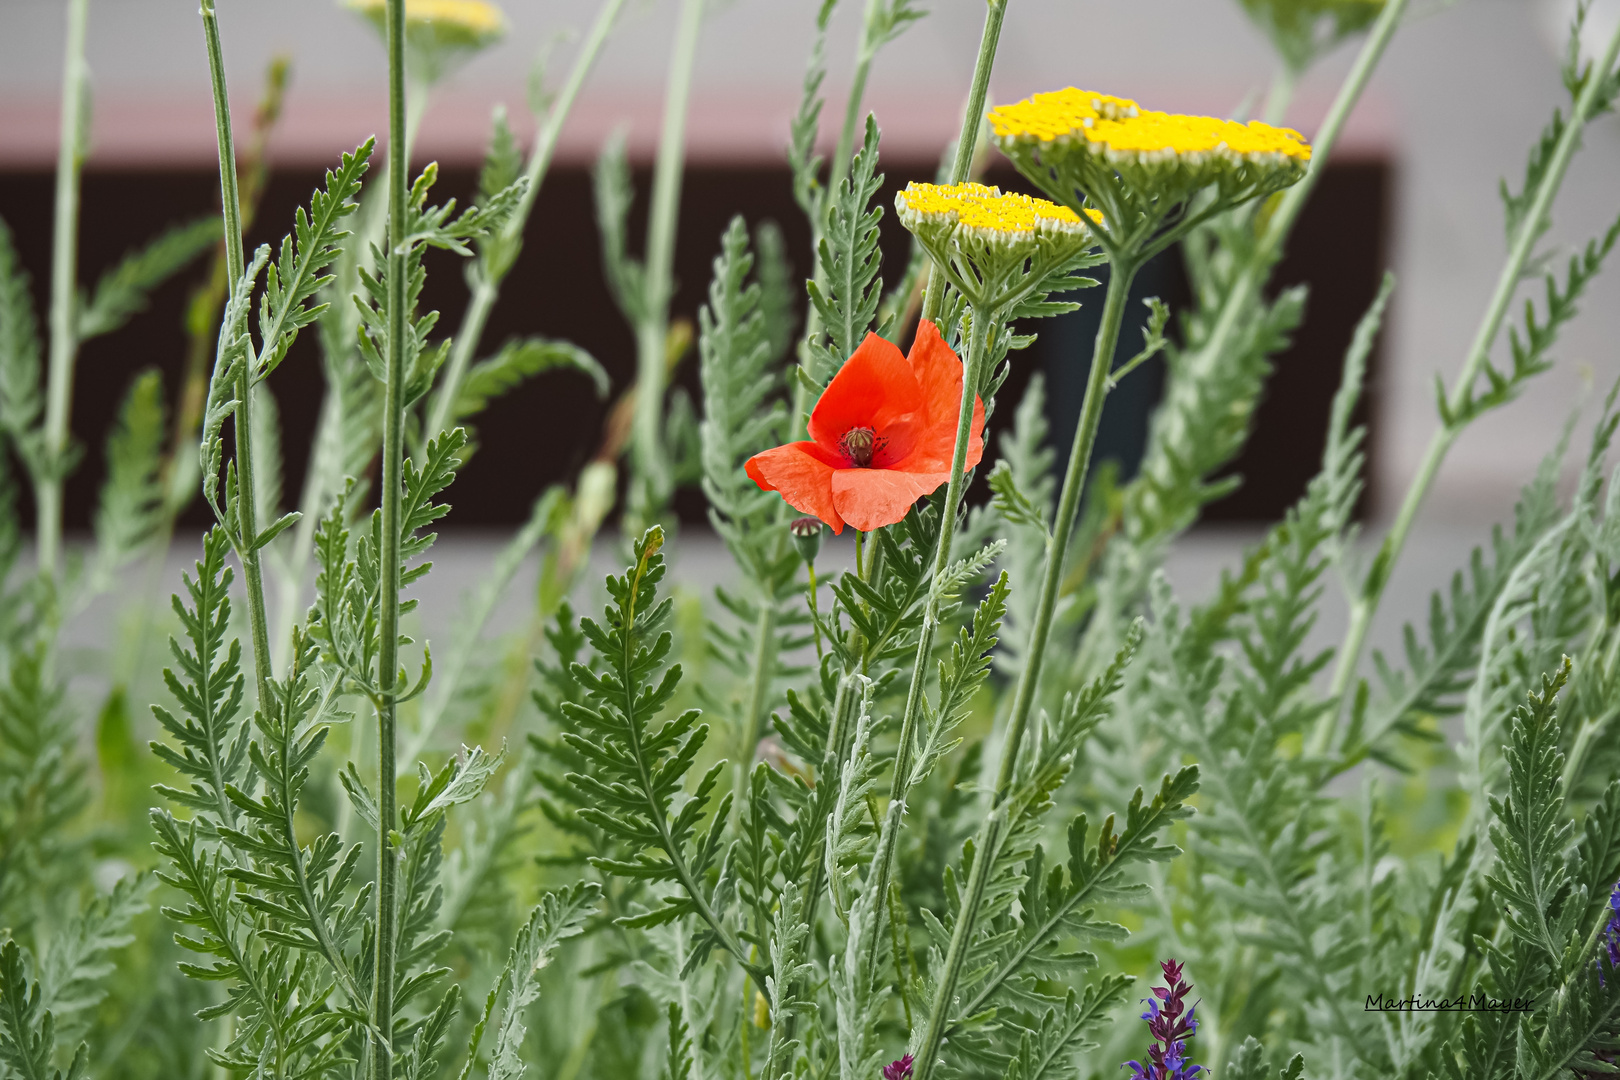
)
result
[(1459, 98)]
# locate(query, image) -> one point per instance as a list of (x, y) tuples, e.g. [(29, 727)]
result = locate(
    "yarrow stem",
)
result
[(393, 454), (865, 52), (1253, 274), (967, 142), (652, 334), (1365, 604), (64, 272), (1074, 480), (245, 527), (488, 287)]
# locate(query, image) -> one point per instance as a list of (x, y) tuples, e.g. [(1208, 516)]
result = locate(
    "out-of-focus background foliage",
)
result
[(1413, 188)]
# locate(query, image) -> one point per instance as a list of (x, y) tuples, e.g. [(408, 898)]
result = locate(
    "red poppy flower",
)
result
[(881, 437)]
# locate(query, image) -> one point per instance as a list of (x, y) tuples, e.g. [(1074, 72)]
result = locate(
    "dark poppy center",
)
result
[(858, 445)]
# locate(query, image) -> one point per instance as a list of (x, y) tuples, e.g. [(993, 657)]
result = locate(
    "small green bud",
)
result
[(806, 537)]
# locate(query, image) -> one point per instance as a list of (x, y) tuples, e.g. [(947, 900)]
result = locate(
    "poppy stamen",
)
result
[(858, 445)]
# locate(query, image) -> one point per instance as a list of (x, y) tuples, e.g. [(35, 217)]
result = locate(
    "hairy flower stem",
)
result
[(900, 783), (1121, 273), (652, 333), (64, 274), (1365, 605), (393, 454), (246, 523), (967, 142), (490, 273)]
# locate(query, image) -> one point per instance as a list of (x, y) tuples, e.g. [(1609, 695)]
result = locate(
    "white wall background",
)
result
[(1460, 96)]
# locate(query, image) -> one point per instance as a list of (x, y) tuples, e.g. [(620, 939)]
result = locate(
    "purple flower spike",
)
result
[(1610, 942), (899, 1069), (1171, 1023)]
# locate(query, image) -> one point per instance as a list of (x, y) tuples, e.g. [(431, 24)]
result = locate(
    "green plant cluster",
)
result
[(929, 815)]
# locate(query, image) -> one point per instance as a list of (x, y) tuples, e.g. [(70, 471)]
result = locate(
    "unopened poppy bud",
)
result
[(806, 537)]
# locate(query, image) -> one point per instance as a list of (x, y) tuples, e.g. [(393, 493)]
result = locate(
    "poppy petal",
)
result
[(802, 474), (872, 498), (939, 373), (875, 388)]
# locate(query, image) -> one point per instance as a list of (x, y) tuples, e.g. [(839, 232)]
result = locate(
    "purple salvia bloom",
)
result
[(899, 1069), (1610, 942), (1170, 1023)]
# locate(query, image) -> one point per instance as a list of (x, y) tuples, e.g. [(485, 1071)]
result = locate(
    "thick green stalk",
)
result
[(487, 290), (967, 141), (64, 287), (653, 331), (1120, 277), (1121, 274), (1365, 605), (393, 455), (1253, 275), (246, 524)]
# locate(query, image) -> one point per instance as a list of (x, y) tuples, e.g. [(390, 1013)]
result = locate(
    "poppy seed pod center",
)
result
[(858, 445)]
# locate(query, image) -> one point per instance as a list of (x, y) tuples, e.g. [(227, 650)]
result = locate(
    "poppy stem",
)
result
[(393, 453), (997, 821), (967, 142), (815, 617), (900, 784)]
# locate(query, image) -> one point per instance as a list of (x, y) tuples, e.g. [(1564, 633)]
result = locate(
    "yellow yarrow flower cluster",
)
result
[(979, 206), (1138, 165), (439, 34), (993, 246), (1164, 134)]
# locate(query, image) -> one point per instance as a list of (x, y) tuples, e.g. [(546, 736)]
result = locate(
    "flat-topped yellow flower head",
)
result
[(993, 246), (1158, 134), (985, 208), (1138, 165), (439, 34), (1050, 115)]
